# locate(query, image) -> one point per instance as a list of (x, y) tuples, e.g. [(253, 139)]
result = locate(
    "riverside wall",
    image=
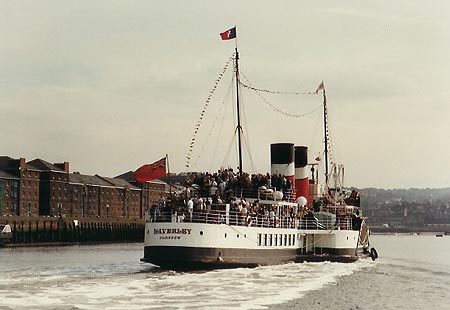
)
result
[(58, 230), (432, 228)]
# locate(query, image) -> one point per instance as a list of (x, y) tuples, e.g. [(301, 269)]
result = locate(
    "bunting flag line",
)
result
[(285, 113), (202, 114), (211, 130), (278, 92), (258, 92), (150, 172), (229, 34)]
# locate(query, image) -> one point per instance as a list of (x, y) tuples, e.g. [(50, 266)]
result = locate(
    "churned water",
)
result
[(413, 272)]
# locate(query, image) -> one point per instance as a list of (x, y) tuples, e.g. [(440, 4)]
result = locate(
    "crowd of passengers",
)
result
[(197, 209), (226, 184), (203, 190)]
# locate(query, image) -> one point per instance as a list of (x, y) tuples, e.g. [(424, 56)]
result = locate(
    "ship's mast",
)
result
[(238, 111), (326, 133)]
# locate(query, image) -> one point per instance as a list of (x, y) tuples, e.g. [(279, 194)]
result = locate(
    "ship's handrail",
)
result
[(235, 218)]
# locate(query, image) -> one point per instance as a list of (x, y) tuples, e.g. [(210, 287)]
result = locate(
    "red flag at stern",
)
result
[(150, 172)]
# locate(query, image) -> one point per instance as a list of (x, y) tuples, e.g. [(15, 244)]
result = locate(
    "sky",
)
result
[(111, 85)]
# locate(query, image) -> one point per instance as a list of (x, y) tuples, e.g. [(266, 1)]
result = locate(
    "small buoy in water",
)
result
[(373, 254)]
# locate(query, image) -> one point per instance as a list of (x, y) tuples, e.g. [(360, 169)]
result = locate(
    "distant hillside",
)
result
[(374, 196)]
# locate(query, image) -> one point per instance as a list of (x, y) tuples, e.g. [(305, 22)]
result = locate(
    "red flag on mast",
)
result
[(150, 172), (229, 34)]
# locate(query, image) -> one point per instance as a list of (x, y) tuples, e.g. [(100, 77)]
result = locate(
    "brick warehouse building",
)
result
[(19, 187), (150, 191), (39, 188)]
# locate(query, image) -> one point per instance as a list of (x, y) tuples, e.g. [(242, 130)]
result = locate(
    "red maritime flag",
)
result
[(229, 34), (150, 172)]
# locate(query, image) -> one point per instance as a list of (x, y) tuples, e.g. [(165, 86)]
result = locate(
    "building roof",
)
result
[(43, 165), (88, 180), (129, 177), (4, 161), (5, 175), (117, 182)]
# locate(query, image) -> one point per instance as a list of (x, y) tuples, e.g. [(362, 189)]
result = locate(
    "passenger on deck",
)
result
[(190, 207)]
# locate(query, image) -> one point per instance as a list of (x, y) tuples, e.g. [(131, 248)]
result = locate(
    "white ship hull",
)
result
[(200, 245)]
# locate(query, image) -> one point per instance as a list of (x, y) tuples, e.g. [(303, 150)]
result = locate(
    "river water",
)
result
[(413, 272)]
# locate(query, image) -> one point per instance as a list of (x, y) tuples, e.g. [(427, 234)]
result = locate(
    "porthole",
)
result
[(201, 232), (225, 235), (347, 237), (237, 236)]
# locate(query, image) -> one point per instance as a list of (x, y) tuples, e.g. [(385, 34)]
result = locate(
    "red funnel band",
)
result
[(302, 189)]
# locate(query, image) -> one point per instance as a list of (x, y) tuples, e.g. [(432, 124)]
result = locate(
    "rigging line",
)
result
[(208, 99), (230, 147), (210, 132), (315, 130), (277, 92), (234, 136), (332, 139), (249, 158), (328, 136), (221, 124), (245, 136), (257, 91), (285, 113)]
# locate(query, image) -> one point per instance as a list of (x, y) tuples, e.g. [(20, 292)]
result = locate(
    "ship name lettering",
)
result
[(172, 231)]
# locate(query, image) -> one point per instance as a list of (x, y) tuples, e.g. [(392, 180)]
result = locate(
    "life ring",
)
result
[(373, 254)]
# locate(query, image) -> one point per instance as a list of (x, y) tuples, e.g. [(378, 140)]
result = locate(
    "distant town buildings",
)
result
[(406, 207), (39, 188)]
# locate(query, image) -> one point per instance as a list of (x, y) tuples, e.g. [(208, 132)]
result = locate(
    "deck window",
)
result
[(259, 239)]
